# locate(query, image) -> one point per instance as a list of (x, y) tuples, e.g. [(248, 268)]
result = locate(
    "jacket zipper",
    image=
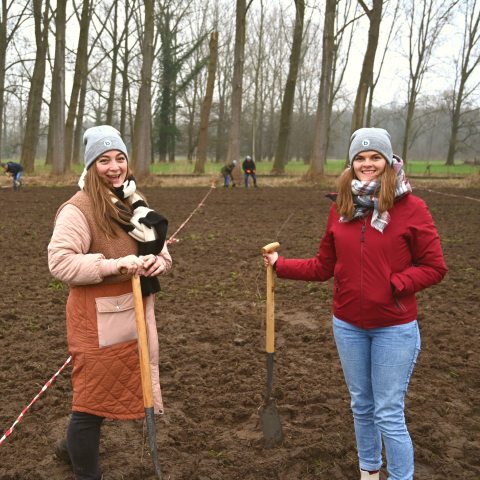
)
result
[(361, 274), (336, 285)]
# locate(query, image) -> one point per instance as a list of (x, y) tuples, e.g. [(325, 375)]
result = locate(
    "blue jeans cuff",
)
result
[(370, 467)]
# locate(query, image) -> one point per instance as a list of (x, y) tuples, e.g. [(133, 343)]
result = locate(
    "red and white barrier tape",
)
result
[(170, 240), (447, 194), (9, 431), (201, 204)]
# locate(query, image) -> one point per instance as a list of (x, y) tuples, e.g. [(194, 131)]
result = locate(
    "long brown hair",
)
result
[(386, 196), (101, 193)]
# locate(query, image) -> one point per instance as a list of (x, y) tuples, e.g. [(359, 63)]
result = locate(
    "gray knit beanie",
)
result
[(99, 140), (371, 139)]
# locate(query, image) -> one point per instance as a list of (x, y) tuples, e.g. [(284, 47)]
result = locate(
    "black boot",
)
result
[(60, 449)]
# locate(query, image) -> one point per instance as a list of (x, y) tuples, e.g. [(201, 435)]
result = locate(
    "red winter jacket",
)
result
[(364, 262)]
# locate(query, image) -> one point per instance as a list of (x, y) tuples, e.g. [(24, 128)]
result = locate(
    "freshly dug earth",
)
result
[(210, 319)]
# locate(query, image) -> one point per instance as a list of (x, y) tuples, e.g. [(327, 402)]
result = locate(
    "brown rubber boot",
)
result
[(60, 449)]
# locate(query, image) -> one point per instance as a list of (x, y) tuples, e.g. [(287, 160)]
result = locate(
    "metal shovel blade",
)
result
[(269, 417), (152, 440), (272, 428)]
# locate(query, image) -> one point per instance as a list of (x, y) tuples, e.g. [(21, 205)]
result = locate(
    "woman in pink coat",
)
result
[(105, 228), (381, 247)]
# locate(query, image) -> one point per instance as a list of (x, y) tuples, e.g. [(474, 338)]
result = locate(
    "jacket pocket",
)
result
[(400, 306), (115, 320)]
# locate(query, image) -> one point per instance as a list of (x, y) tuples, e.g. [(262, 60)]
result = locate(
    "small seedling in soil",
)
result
[(56, 284)]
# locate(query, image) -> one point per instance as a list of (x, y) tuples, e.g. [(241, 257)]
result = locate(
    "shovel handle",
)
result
[(270, 248), (270, 343), (142, 343)]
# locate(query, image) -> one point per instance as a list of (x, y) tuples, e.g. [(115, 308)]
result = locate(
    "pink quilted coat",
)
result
[(101, 328)]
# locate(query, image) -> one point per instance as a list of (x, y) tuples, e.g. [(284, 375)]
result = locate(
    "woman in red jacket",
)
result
[(381, 247)]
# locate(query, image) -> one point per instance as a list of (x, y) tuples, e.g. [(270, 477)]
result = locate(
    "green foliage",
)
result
[(56, 284)]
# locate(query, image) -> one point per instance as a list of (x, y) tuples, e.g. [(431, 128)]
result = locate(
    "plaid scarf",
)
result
[(365, 200), (146, 226)]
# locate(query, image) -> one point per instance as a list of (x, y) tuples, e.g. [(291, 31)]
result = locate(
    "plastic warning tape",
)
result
[(201, 204), (10, 430), (447, 194), (170, 240)]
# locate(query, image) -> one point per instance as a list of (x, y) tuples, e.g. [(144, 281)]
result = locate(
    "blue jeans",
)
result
[(226, 179), (377, 364), (253, 176), (16, 177)]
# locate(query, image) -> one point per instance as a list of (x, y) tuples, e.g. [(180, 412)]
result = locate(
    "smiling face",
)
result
[(112, 166), (368, 165)]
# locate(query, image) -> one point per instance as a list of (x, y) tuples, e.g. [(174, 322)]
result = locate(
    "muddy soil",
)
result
[(210, 319)]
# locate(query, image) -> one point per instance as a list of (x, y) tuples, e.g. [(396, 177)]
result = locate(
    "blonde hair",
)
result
[(344, 203), (105, 211)]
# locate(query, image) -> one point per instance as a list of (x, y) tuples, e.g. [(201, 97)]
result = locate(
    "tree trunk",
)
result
[(452, 146), (366, 76), (3, 57), (237, 83), (320, 144), (207, 105), (34, 109), (289, 94), (113, 77), (141, 137), (58, 90), (123, 108), (412, 100), (77, 140), (81, 64), (257, 75), (191, 123)]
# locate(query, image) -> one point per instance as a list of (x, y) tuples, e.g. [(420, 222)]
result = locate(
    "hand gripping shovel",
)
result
[(145, 373), (269, 417)]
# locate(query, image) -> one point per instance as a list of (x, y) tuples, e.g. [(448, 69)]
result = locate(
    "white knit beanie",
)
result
[(99, 140)]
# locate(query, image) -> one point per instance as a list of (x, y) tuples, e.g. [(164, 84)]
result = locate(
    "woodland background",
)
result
[(279, 80)]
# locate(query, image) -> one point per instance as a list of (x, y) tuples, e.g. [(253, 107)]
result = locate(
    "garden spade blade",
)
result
[(145, 373), (269, 417)]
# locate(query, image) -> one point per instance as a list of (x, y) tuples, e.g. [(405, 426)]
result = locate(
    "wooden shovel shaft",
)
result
[(142, 344), (270, 248), (270, 310)]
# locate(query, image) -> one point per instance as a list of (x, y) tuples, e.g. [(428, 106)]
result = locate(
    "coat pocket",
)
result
[(115, 320)]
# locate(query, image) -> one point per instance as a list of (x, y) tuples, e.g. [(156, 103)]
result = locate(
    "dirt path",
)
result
[(212, 363)]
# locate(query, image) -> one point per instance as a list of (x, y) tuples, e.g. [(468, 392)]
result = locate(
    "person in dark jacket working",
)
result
[(381, 247), (226, 171), (14, 171), (249, 168)]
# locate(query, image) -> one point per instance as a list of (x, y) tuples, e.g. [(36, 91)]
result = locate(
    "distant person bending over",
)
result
[(226, 171), (381, 247), (14, 171), (249, 168), (105, 229)]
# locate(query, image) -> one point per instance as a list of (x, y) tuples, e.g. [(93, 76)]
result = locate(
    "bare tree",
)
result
[(35, 98), (319, 155), (289, 94), (207, 104), (140, 157), (366, 76), (6, 37), (81, 65), (425, 25), (391, 35), (237, 82), (58, 90), (468, 60)]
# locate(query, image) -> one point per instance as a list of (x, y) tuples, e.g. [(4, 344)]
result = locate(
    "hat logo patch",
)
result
[(107, 143), (366, 143)]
